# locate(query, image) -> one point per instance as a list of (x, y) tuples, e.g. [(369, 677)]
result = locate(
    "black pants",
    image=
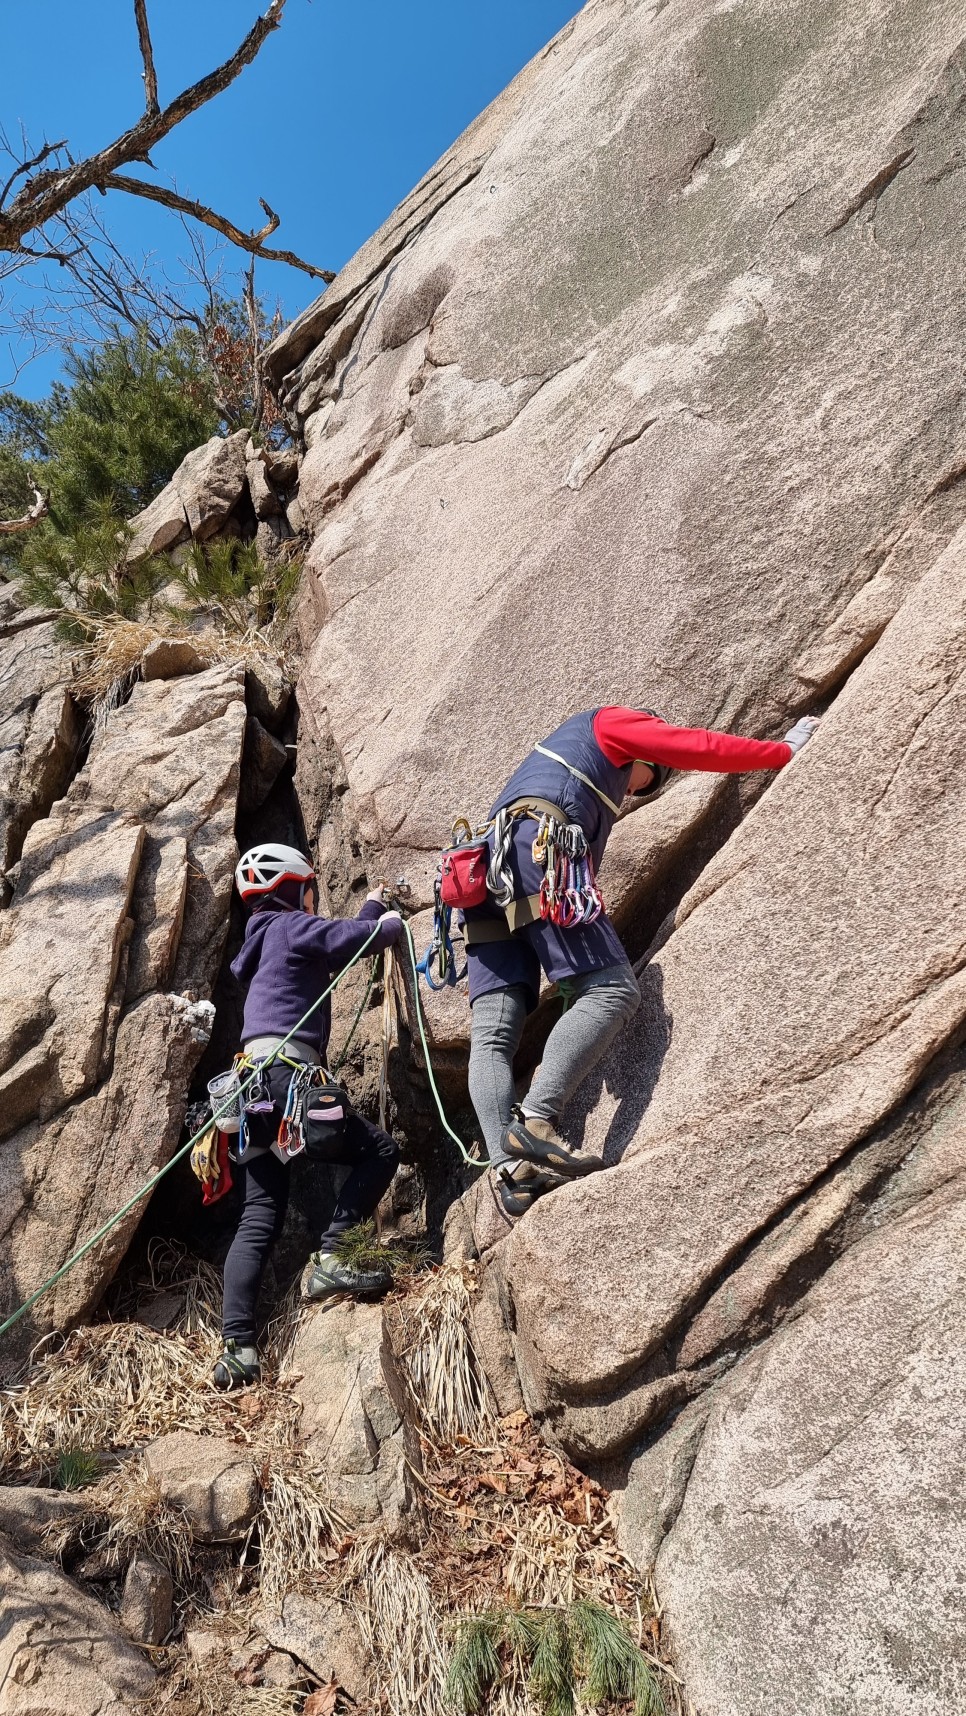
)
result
[(373, 1158)]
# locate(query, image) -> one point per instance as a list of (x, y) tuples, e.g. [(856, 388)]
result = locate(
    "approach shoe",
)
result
[(330, 1276), (531, 1139), (521, 1184), (237, 1367)]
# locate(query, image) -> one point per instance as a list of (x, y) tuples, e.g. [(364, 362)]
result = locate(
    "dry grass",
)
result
[(446, 1380), (170, 1268), (403, 1629), (298, 1528), (110, 662), (141, 1520), (108, 1385)]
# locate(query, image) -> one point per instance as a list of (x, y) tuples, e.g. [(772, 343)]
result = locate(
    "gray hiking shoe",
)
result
[(521, 1184), (531, 1139), (330, 1275), (237, 1367)]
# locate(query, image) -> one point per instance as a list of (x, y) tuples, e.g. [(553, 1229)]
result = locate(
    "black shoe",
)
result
[(531, 1139), (237, 1367), (520, 1186), (330, 1276)]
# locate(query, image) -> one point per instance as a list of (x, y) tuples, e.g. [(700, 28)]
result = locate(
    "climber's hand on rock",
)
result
[(391, 925), (380, 893), (802, 731)]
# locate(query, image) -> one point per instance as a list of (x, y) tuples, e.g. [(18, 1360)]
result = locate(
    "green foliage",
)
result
[(581, 1652), (361, 1249), (83, 571), (123, 425), (476, 1663), (102, 445), (231, 579), (76, 1468)]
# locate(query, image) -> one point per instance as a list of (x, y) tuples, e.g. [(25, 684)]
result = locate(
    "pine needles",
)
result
[(361, 1248), (561, 1658), (76, 1468)]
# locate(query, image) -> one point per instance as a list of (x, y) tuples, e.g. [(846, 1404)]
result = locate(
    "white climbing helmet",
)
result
[(262, 869)]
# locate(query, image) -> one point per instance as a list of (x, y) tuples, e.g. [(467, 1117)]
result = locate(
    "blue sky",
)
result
[(343, 111)]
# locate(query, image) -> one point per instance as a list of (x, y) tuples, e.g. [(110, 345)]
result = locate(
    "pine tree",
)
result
[(102, 445)]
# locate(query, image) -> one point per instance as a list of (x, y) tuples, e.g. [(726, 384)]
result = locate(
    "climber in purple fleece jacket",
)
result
[(288, 958)]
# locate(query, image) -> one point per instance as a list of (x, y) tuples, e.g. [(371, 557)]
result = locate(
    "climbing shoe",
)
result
[(530, 1139), (329, 1275), (521, 1184), (237, 1367)]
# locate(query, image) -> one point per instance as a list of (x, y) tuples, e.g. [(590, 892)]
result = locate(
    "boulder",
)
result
[(62, 1652), (36, 1520), (123, 891), (210, 1479), (268, 691), (352, 1427), (264, 759), (210, 482), (168, 658), (147, 1600), (162, 525), (805, 989), (265, 498), (62, 1178), (40, 731), (323, 1633)]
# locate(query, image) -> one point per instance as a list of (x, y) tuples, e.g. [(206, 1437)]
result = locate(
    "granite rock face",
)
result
[(650, 393), (352, 1424), (803, 993), (40, 726), (209, 1479), (663, 350), (120, 906), (829, 1473)]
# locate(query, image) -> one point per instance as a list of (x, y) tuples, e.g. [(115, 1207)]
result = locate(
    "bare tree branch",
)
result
[(253, 242), (34, 514), (37, 160), (151, 102), (47, 193)]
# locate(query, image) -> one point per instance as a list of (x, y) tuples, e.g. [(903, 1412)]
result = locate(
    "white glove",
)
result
[(802, 731)]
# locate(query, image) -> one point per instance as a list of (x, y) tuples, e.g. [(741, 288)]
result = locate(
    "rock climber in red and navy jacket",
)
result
[(583, 770)]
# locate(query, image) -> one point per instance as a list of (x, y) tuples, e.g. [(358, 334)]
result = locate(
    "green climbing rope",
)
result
[(363, 1004), (150, 1184)]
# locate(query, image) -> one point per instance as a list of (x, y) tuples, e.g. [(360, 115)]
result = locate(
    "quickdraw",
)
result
[(569, 894)]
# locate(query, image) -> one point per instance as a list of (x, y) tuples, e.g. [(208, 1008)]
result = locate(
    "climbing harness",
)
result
[(155, 1179)]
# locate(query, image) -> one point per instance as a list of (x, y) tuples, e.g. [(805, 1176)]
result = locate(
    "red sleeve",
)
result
[(629, 735)]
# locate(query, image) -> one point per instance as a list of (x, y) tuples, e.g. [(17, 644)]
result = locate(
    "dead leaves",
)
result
[(323, 1702)]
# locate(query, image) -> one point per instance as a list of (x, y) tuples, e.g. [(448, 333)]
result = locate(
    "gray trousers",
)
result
[(603, 1001)]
